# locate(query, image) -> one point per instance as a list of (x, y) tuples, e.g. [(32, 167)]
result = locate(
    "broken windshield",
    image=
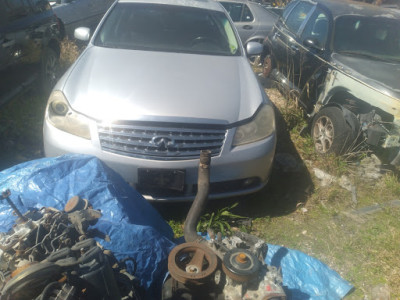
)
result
[(375, 37), (170, 28)]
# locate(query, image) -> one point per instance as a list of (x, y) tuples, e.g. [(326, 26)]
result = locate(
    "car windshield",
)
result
[(170, 28), (374, 37)]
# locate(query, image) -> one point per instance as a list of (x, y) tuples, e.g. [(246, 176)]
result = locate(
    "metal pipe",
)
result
[(200, 201), (6, 195)]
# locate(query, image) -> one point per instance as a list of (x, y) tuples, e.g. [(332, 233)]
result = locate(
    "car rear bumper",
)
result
[(236, 171)]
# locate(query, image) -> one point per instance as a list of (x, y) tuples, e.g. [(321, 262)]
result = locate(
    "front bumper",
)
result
[(236, 171)]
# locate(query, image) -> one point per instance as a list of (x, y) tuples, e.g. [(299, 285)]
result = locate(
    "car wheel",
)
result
[(267, 66), (49, 69), (330, 132)]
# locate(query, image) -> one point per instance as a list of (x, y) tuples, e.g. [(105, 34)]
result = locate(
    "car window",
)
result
[(288, 9), (234, 10), (377, 37), (317, 28), (157, 27), (247, 16), (298, 15)]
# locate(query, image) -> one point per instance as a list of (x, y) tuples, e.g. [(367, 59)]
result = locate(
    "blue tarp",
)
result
[(135, 228)]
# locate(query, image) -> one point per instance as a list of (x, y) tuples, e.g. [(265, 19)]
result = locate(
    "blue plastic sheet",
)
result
[(134, 226), (305, 277)]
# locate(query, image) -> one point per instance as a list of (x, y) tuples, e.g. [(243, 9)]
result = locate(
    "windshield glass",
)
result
[(154, 27), (375, 37)]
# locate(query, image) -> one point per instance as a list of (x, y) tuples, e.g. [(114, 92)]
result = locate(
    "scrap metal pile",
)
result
[(230, 268), (52, 254)]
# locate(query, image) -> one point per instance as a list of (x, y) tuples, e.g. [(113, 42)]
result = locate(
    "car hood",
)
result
[(383, 76), (117, 84)]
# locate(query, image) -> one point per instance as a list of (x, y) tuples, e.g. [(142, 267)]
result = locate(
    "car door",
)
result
[(314, 54), (243, 18), (285, 38)]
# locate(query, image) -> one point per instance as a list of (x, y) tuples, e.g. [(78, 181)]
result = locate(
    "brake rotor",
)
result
[(192, 263), (240, 264)]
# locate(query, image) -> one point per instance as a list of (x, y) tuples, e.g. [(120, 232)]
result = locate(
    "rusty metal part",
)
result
[(192, 263), (240, 264), (200, 201), (81, 219), (76, 203), (6, 195), (20, 269)]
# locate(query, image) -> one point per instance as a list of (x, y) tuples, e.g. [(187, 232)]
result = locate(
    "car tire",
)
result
[(267, 66), (330, 132), (49, 70)]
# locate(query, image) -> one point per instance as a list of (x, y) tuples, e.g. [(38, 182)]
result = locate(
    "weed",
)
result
[(219, 221), (391, 182), (177, 227), (69, 53)]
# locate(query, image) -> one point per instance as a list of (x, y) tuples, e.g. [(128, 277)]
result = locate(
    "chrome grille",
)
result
[(163, 143)]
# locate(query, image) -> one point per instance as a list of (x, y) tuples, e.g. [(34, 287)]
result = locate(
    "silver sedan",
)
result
[(158, 82)]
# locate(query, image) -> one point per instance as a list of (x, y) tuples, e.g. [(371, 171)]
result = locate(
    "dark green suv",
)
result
[(29, 46)]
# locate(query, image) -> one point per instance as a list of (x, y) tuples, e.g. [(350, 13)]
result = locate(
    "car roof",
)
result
[(205, 4), (347, 7)]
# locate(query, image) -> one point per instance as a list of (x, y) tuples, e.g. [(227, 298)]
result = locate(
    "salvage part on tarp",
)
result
[(135, 229)]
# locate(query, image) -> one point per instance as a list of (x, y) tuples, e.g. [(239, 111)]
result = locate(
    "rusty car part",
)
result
[(192, 263), (51, 253), (200, 201), (240, 264), (6, 196), (228, 268), (76, 203)]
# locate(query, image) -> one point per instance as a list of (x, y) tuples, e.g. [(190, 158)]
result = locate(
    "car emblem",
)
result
[(163, 143)]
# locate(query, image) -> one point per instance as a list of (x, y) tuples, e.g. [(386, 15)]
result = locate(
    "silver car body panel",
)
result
[(205, 88)]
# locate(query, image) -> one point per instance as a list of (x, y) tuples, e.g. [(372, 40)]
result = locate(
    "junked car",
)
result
[(29, 47), (77, 13), (341, 61), (252, 21), (159, 81)]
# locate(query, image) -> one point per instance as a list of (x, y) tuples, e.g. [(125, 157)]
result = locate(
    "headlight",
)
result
[(61, 116), (257, 129)]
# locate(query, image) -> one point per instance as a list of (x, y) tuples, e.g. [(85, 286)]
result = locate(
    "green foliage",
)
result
[(219, 221), (177, 227), (392, 183)]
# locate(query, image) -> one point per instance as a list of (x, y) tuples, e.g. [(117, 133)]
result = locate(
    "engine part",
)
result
[(240, 264), (6, 195), (50, 256), (229, 268), (76, 203), (200, 201), (192, 263)]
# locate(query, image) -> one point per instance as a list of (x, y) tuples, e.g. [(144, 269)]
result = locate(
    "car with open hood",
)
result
[(341, 61), (158, 82)]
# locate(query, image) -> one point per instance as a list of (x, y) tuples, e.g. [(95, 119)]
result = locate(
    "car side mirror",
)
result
[(313, 44), (254, 48), (82, 33)]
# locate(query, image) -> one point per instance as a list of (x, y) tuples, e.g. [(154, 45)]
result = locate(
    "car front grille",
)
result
[(159, 142)]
